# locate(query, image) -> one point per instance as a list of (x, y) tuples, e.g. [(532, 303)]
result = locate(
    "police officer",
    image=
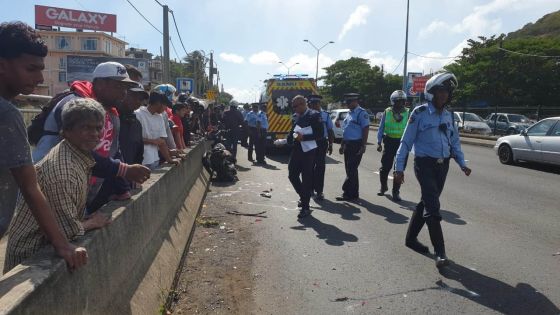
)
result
[(245, 129), (304, 150), (258, 124), (355, 128), (233, 121), (324, 146), (391, 129), (435, 138)]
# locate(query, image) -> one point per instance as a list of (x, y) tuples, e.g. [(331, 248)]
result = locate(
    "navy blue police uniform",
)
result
[(301, 162), (322, 148), (352, 139)]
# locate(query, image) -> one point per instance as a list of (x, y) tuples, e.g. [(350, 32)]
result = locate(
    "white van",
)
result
[(337, 116)]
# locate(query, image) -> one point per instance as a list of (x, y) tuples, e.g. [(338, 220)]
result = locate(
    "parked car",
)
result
[(508, 124), (538, 143), (471, 123), (337, 116)]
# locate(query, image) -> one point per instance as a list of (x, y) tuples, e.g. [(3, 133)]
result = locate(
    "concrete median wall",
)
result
[(132, 262)]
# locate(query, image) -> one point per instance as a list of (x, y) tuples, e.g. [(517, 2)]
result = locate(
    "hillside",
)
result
[(547, 26)]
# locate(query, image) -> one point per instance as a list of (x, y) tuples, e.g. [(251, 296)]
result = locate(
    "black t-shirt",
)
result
[(130, 138)]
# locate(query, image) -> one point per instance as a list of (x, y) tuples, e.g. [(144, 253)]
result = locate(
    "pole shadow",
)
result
[(345, 210), (390, 215), (495, 294), (331, 234), (446, 215)]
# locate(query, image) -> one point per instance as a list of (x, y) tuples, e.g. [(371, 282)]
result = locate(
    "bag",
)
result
[(37, 127)]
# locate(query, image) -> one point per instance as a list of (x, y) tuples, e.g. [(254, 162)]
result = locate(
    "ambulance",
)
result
[(277, 95)]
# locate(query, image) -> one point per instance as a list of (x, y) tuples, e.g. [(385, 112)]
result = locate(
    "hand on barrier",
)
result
[(75, 257), (137, 173)]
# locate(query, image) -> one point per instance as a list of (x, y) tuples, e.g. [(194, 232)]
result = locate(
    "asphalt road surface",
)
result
[(501, 227)]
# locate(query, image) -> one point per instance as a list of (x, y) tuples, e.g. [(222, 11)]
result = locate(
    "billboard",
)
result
[(410, 92), (81, 67), (95, 21), (419, 83)]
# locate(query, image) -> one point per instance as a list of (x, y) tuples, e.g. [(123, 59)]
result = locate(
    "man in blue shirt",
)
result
[(303, 156), (324, 145), (355, 130), (435, 138), (245, 129)]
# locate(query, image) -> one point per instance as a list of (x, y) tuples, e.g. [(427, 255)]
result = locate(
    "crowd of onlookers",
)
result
[(95, 142)]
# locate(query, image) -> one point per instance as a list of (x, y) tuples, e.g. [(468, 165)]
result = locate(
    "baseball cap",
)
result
[(138, 88), (112, 70)]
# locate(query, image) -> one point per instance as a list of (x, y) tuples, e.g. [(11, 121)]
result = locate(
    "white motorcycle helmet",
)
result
[(397, 96), (446, 80), (168, 89)]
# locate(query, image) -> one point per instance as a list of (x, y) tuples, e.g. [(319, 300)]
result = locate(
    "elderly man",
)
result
[(63, 176)]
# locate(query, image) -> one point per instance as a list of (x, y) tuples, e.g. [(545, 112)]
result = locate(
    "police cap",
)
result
[(314, 98), (351, 96)]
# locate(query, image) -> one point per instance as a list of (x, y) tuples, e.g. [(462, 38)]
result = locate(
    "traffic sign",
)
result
[(419, 83), (211, 94), (410, 78), (185, 85)]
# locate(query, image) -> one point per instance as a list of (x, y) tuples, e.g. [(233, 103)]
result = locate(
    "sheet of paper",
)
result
[(306, 146)]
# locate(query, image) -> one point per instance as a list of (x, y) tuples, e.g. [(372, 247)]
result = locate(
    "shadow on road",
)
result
[(346, 210), (280, 158), (539, 167), (330, 233), (495, 294), (330, 160), (241, 168), (267, 166), (390, 215), (447, 216), (222, 183)]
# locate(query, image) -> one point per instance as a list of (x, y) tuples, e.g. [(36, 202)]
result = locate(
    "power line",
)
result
[(178, 33), (175, 50), (528, 55), (146, 19), (398, 65), (158, 3), (430, 57)]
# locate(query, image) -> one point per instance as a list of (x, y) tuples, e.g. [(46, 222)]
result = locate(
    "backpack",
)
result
[(36, 129)]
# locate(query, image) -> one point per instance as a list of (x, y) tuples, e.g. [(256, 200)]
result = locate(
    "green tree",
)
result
[(224, 98), (357, 75)]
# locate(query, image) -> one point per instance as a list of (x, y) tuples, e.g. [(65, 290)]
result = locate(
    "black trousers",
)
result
[(390, 148), (319, 166), (301, 164), (257, 139), (244, 135), (351, 186), (431, 176), (231, 141)]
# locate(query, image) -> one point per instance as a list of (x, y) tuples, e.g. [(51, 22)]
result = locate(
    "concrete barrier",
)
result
[(132, 262)]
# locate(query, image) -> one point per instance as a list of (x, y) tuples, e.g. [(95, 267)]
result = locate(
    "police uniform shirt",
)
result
[(327, 123), (352, 126), (261, 117), (424, 132), (251, 119)]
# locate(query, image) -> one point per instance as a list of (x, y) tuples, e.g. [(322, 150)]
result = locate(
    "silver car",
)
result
[(471, 123), (539, 143)]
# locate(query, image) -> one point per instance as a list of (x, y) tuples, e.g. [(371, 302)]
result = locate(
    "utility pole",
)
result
[(405, 76), (318, 50), (211, 76), (166, 74)]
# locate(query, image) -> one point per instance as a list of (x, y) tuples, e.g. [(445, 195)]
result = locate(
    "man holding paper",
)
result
[(307, 130)]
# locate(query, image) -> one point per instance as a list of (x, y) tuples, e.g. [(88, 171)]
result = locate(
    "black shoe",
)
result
[(299, 204), (345, 198), (416, 246), (396, 196), (442, 260), (303, 213), (251, 160), (319, 197), (382, 191)]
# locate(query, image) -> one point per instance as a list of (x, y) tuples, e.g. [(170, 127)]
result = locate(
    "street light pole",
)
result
[(318, 50), (405, 77), (297, 63)]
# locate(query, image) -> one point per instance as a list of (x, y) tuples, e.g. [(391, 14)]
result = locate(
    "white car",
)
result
[(539, 143), (337, 116), (472, 123)]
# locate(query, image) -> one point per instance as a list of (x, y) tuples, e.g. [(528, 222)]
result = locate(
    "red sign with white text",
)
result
[(51, 16), (418, 84)]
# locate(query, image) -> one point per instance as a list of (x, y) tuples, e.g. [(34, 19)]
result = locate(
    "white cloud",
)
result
[(434, 27), (306, 64), (357, 18), (243, 95), (435, 60), (264, 58), (232, 58)]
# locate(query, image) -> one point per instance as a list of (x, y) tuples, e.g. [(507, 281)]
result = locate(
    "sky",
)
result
[(250, 37)]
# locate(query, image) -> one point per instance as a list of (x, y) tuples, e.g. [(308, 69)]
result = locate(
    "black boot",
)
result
[(250, 156), (414, 227), (383, 180), (396, 192), (436, 235)]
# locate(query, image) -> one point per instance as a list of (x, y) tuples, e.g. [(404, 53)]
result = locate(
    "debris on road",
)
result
[(556, 254), (341, 299), (266, 195), (207, 222), (258, 214)]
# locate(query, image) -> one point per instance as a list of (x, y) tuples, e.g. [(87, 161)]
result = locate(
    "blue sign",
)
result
[(185, 85)]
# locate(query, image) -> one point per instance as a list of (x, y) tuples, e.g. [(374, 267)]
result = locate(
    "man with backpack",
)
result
[(22, 54)]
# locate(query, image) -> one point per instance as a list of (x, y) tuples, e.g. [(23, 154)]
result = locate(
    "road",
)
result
[(501, 226)]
